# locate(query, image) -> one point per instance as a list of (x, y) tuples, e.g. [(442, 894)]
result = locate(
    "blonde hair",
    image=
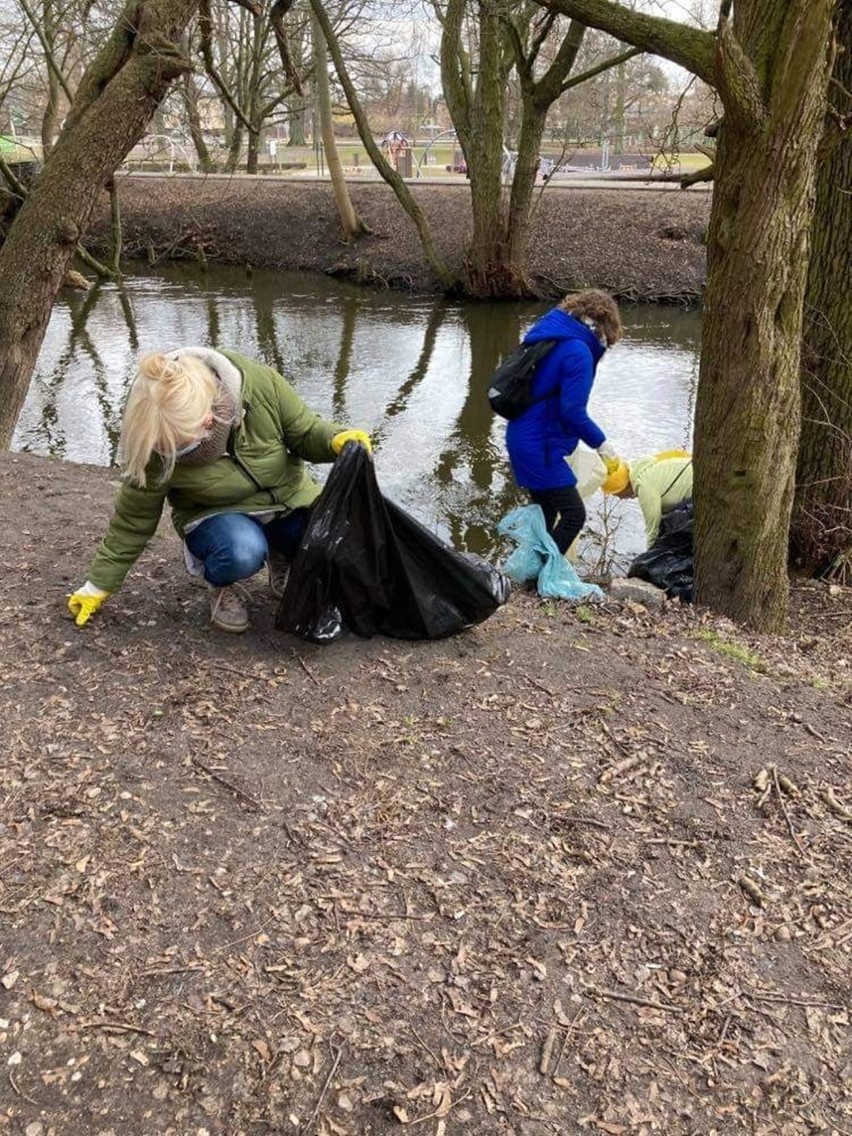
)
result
[(600, 308), (168, 403)]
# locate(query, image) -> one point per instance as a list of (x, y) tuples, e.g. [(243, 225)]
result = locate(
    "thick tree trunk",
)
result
[(533, 121), (298, 114), (487, 267), (773, 78), (386, 170), (115, 103), (253, 151), (349, 220), (822, 517), (196, 133), (235, 148), (50, 118)]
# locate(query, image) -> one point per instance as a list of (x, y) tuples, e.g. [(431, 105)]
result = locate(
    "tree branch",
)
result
[(276, 17), (206, 34), (690, 47), (455, 73), (706, 173), (541, 35), (106, 65), (48, 50), (736, 78), (386, 170), (607, 64)]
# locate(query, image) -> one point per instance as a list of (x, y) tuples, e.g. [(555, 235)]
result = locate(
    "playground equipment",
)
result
[(152, 152)]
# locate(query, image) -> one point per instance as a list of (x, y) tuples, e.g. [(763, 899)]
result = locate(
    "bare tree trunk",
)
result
[(618, 118), (476, 98), (350, 221), (190, 98), (297, 118), (771, 70), (533, 120), (821, 534), (252, 151), (747, 414), (387, 172), (115, 102), (50, 117), (235, 147)]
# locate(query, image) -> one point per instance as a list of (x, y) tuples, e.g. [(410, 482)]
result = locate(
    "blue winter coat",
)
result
[(541, 438)]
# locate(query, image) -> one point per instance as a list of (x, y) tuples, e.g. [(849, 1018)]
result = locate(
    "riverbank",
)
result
[(642, 245), (575, 870)]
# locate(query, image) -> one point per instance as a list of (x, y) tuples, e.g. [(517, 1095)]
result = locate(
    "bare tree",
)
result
[(770, 61), (114, 103)]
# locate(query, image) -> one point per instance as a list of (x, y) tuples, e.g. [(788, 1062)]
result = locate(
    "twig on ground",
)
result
[(787, 1000), (219, 779), (836, 807), (303, 1131), (21, 1094), (438, 1063), (617, 996), (116, 1027), (784, 809), (547, 1052), (539, 685), (569, 819), (308, 670)]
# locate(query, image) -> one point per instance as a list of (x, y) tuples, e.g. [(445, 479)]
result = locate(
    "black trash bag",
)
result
[(366, 565), (668, 562)]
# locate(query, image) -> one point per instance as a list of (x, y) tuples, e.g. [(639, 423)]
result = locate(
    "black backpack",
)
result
[(510, 392)]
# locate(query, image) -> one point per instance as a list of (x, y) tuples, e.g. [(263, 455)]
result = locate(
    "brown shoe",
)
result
[(228, 611), (279, 572)]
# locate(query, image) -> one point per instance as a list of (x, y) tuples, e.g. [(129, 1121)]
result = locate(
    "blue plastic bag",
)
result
[(538, 559)]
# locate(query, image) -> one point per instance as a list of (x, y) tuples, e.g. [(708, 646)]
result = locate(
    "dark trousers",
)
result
[(564, 514)]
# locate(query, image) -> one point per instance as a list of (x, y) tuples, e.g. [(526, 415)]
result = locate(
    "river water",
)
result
[(412, 371)]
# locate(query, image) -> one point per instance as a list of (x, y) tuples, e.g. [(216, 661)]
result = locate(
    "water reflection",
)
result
[(413, 372)]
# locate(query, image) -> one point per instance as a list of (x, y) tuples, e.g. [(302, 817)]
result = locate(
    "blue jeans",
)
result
[(234, 546)]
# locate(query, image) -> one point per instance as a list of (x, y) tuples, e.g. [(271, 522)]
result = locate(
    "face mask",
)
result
[(184, 450)]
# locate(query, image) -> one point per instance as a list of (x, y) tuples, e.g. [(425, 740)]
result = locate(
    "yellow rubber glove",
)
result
[(359, 436), (609, 457), (85, 602)]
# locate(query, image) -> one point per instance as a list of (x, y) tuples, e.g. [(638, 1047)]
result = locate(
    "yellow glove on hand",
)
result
[(607, 454), (85, 602), (612, 464), (359, 436)]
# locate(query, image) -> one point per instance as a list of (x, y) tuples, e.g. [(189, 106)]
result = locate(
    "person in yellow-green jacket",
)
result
[(222, 438), (659, 483)]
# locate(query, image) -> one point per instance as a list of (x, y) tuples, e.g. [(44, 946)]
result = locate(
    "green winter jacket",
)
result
[(263, 471), (659, 486)]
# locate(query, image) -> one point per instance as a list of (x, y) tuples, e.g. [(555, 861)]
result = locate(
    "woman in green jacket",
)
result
[(224, 440)]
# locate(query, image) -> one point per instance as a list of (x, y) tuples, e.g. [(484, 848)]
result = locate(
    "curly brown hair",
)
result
[(600, 308)]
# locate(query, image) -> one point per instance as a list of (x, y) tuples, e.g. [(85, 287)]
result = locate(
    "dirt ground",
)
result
[(638, 244), (577, 870)]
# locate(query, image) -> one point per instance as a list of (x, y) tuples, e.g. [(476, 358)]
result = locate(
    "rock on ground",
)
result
[(624, 589)]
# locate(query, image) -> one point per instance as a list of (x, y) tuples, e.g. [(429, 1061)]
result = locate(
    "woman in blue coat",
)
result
[(584, 324)]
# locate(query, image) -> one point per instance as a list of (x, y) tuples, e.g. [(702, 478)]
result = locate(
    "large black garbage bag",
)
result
[(668, 562), (366, 565)]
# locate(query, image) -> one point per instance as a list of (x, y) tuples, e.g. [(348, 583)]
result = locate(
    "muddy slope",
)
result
[(639, 244), (574, 871)]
